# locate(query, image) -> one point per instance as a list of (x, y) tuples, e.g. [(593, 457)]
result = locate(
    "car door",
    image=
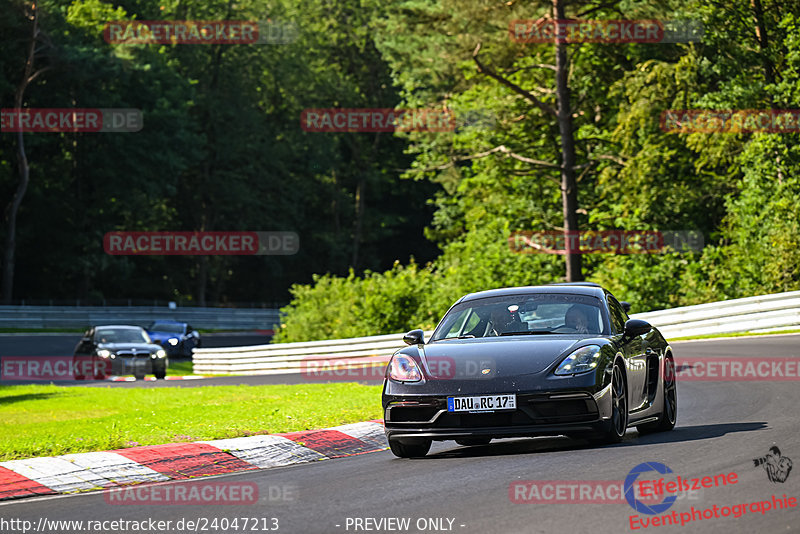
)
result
[(633, 350)]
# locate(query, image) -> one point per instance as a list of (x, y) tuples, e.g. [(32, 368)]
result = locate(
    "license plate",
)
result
[(482, 403)]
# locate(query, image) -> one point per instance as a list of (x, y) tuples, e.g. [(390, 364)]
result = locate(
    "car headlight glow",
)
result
[(159, 354), (172, 341), (103, 353), (580, 361), (404, 369)]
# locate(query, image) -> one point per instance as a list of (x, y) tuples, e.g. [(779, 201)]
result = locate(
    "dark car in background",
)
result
[(123, 350), (529, 361), (178, 339)]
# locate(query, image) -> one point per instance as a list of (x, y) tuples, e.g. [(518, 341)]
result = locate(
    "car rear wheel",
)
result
[(614, 429), (669, 414), (468, 442), (410, 448)]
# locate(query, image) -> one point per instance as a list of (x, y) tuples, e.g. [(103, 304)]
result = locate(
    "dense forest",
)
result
[(395, 226)]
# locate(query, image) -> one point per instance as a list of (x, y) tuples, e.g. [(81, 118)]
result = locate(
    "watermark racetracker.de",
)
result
[(374, 368), (583, 491), (183, 243), (730, 121), (546, 30), (393, 120), (199, 493), (200, 32), (604, 242), (91, 120), (736, 369), (48, 368)]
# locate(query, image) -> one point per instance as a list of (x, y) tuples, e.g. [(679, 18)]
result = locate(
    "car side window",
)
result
[(618, 316)]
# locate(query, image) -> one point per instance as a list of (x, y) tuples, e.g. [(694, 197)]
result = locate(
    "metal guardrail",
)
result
[(298, 357), (766, 313), (780, 311), (84, 316)]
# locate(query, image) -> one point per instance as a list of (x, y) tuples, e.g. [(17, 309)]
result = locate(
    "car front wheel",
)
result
[(410, 448), (613, 430)]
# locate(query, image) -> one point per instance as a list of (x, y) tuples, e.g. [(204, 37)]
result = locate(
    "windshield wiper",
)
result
[(527, 333), (466, 336)]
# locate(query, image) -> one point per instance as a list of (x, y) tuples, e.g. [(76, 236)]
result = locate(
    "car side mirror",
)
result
[(636, 327), (625, 306), (415, 337)]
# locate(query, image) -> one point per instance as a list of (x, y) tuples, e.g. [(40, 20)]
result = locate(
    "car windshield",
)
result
[(174, 328), (527, 314), (121, 335)]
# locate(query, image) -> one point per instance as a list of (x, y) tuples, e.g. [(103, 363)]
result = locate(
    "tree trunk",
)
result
[(12, 209), (362, 184), (763, 40), (569, 189)]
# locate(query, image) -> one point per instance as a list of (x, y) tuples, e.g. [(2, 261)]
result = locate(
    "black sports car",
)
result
[(527, 361), (120, 350)]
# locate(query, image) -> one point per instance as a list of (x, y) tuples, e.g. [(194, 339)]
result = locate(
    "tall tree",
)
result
[(38, 44)]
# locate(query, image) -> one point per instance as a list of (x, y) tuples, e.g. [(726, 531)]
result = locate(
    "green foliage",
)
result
[(335, 307), (739, 190), (222, 149)]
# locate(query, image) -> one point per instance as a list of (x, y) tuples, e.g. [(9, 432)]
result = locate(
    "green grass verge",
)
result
[(735, 334), (179, 368), (45, 420)]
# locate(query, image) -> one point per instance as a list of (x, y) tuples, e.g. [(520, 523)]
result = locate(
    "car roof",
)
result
[(587, 288), (118, 326)]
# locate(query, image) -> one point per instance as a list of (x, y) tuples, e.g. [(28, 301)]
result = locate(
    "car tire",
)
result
[(471, 442), (410, 448), (160, 373), (613, 430), (669, 413)]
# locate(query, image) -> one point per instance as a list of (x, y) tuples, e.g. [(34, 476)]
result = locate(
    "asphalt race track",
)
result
[(64, 344), (722, 427), (34, 345)]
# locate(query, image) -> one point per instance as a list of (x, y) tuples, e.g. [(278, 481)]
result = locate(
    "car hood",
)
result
[(504, 356), (114, 347)]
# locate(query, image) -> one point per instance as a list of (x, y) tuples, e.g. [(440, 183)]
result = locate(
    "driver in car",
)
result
[(577, 320), (502, 320)]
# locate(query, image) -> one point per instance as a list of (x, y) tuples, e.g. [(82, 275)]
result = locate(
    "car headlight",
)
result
[(159, 354), (172, 341), (580, 361), (404, 369), (103, 353)]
